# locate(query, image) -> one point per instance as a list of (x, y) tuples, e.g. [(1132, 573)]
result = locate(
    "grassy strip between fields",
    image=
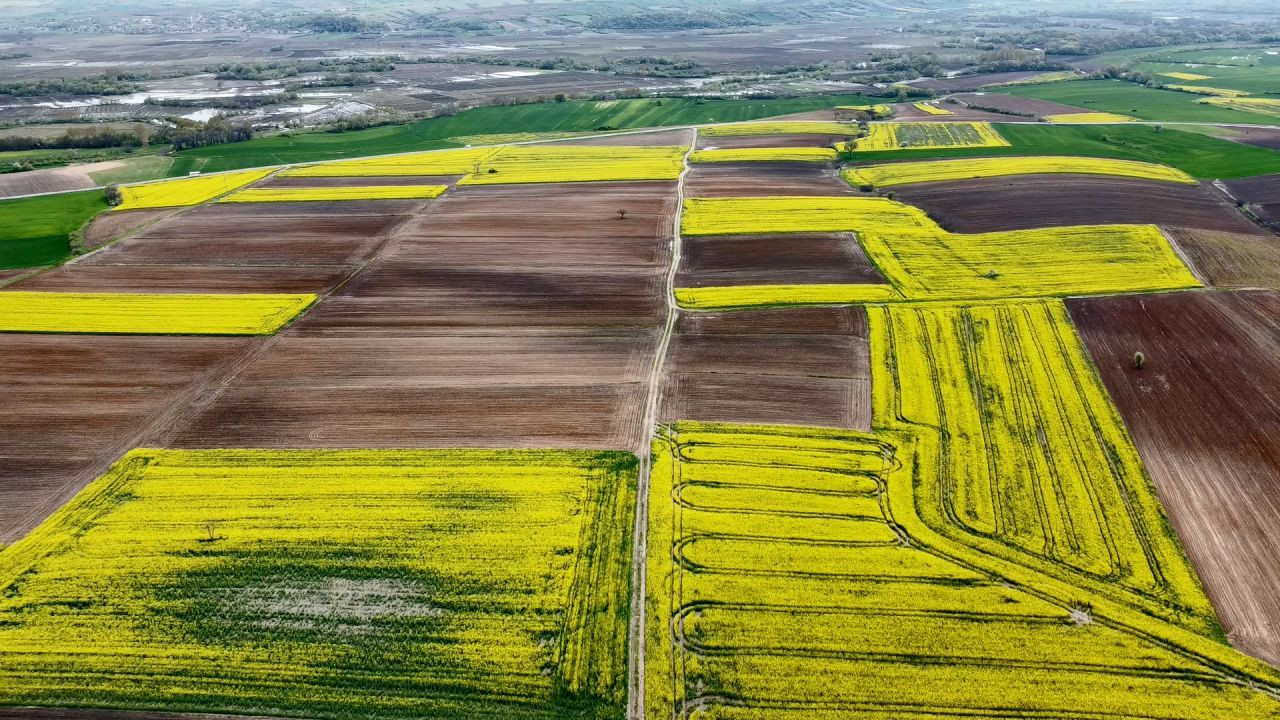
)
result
[(942, 170), (37, 230), (149, 314)]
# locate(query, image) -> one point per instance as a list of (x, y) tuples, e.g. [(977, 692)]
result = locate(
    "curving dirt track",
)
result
[(1032, 201), (1205, 415)]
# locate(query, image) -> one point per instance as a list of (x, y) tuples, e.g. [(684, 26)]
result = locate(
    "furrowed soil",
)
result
[(1032, 201), (1204, 413), (72, 400), (805, 366), (496, 317), (710, 142), (774, 260), (111, 225), (358, 181), (1230, 259), (1015, 105), (1261, 194), (757, 179)]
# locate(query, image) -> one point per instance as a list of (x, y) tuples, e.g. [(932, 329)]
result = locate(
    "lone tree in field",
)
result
[(1139, 360), (622, 214), (114, 197)]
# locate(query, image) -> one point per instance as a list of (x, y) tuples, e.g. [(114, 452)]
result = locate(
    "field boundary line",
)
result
[(649, 421)]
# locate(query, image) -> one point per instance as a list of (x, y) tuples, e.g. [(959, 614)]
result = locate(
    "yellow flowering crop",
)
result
[(1086, 118), (151, 314), (931, 109), (186, 191), (798, 154), (927, 136), (797, 595), (939, 170), (1203, 90), (1263, 106), (327, 583), (921, 261), (1189, 77), (365, 192), (1047, 77), (436, 162), (782, 127), (737, 296), (566, 163)]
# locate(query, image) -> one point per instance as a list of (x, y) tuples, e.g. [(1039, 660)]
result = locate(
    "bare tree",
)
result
[(622, 214)]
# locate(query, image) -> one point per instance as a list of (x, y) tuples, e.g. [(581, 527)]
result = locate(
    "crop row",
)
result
[(452, 584), (942, 170), (809, 602), (139, 313), (186, 191)]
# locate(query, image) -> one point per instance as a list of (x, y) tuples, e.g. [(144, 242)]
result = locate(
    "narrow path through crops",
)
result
[(639, 557)]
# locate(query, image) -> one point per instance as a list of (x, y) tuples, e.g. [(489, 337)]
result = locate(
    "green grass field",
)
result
[(137, 168), (542, 117), (35, 231), (1194, 153), (1255, 79), (1145, 103)]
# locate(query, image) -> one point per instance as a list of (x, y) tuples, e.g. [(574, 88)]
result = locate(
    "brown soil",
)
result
[(108, 226), (1204, 414), (287, 182), (763, 141), (1230, 259), (1261, 194), (89, 277), (755, 179), (1268, 138), (1031, 201), (1018, 106), (72, 399), (795, 366), (774, 259), (51, 180)]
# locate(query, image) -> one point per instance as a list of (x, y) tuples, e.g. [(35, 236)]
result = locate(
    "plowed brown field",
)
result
[(793, 366), (1031, 201), (1018, 105), (774, 260), (1205, 414), (1261, 193), (751, 179), (1230, 259)]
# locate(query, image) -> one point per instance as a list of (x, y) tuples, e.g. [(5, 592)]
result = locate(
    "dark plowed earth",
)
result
[(774, 260), (795, 366), (754, 179), (111, 225), (707, 142), (1261, 194), (1017, 105), (69, 399), (519, 316), (1268, 138), (1230, 259), (1205, 415), (291, 182), (1031, 201), (90, 277)]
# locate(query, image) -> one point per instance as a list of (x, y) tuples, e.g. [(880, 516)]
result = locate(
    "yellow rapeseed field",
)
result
[(1189, 77), (564, 163), (186, 191), (782, 127), (149, 314), (939, 170), (931, 109), (1086, 118), (795, 590), (735, 296), (365, 192), (437, 162), (924, 262), (927, 136), (1262, 106), (1047, 77), (330, 583), (794, 154), (1202, 90)]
